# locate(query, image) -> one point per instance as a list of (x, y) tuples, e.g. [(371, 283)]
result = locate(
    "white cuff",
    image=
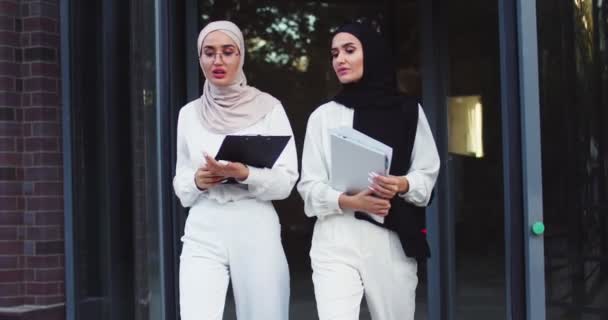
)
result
[(333, 200), (412, 185), (255, 177)]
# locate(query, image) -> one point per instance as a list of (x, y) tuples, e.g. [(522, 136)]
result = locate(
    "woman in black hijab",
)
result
[(352, 253)]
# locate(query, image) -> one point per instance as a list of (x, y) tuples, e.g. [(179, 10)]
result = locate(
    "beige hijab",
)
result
[(228, 109)]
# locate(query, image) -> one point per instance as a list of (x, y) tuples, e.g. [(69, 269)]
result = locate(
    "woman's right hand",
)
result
[(204, 179), (365, 201)]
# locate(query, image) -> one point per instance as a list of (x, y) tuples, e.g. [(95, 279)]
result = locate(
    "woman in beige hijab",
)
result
[(232, 231)]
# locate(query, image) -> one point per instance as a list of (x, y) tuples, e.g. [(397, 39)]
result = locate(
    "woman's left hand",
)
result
[(387, 186), (235, 170)]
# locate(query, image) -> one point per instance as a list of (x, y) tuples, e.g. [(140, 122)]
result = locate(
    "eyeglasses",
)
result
[(224, 56)]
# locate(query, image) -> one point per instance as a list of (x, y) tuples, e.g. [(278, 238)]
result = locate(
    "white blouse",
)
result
[(265, 184), (320, 199)]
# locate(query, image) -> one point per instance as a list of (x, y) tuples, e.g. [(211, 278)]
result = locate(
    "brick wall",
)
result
[(31, 189)]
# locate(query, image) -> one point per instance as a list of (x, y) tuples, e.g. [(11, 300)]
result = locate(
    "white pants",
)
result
[(241, 241), (351, 257)]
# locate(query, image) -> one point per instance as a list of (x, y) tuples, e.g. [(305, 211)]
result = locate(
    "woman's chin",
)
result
[(221, 82)]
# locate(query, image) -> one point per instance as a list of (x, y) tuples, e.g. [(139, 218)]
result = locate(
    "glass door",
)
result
[(475, 166), (573, 115)]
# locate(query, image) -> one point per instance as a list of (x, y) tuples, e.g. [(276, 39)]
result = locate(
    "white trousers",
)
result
[(351, 257), (240, 241)]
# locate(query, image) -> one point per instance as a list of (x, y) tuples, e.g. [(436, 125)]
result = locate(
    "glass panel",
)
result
[(88, 145), (144, 162), (573, 63), (475, 160), (288, 56)]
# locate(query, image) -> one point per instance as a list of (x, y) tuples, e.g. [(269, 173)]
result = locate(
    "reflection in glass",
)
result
[(465, 126), (143, 163), (475, 163), (574, 113)]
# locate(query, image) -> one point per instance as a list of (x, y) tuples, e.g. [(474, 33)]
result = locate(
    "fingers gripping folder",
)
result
[(253, 150)]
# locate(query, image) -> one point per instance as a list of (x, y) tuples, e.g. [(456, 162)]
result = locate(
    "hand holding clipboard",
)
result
[(256, 151)]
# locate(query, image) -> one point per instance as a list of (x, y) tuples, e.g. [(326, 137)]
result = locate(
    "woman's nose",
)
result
[(340, 58)]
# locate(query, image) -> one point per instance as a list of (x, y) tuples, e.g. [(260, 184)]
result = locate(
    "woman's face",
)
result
[(347, 57), (220, 58)]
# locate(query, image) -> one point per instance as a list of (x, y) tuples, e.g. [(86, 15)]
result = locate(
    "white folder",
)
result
[(353, 156)]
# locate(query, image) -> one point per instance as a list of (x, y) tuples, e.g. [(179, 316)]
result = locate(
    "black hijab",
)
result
[(382, 113)]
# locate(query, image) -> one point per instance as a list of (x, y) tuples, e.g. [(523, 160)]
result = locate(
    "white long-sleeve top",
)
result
[(193, 139), (320, 199)]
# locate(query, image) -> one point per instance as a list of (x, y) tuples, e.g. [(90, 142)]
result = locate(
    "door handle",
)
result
[(538, 228)]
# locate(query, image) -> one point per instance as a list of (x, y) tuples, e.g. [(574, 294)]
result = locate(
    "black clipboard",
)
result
[(256, 151)]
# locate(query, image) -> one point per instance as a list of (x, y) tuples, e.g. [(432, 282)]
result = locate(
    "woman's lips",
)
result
[(342, 71), (218, 73)]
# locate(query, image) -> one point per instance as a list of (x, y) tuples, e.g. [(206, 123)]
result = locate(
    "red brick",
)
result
[(27, 130), (9, 99), (8, 233), (19, 142), (44, 39), (45, 69), (49, 275), (20, 202), (28, 275), (7, 84), (7, 23), (11, 247), (48, 159), (48, 188), (24, 41), (7, 114), (27, 159), (9, 129), (9, 68), (9, 262), (9, 204), (7, 54), (44, 9), (44, 203), (49, 300), (49, 218), (39, 54), (26, 70), (41, 114), (8, 173), (19, 114), (42, 288), (43, 261), (46, 129), (44, 233), (10, 276), (43, 174), (10, 159), (39, 24), (11, 188), (29, 299), (9, 38), (40, 84), (32, 144), (11, 301), (10, 289), (45, 99), (49, 247), (8, 8)]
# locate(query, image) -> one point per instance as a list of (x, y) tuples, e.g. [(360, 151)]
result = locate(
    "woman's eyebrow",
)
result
[(225, 46), (348, 44)]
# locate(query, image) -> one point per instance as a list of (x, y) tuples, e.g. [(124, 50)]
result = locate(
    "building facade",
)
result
[(515, 92)]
